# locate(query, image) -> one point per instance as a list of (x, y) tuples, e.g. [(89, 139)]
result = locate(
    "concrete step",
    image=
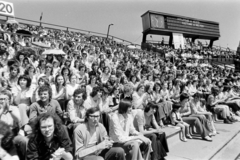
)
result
[(230, 151), (198, 149)]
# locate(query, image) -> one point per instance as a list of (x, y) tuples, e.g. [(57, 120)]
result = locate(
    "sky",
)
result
[(96, 15)]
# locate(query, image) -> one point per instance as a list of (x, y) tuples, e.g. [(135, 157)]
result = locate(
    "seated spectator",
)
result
[(75, 109), (91, 140), (146, 124), (49, 141), (185, 112), (11, 116), (215, 106), (177, 121), (124, 134), (45, 104), (59, 91), (7, 149), (43, 80), (139, 97), (94, 99), (196, 109)]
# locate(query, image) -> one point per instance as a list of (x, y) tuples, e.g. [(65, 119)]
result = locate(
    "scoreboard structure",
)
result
[(165, 24)]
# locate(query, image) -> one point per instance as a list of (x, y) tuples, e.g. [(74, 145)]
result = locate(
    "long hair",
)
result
[(124, 105), (56, 83), (37, 124)]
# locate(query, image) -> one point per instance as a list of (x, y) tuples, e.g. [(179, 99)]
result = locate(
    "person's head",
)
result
[(66, 72), (106, 70), (43, 81), (148, 88), (82, 68), (25, 61), (157, 87), (96, 91), (73, 79), (6, 136), (79, 95), (76, 63), (45, 93), (92, 116), (176, 107), (184, 97), (133, 79), (92, 79), (30, 70), (49, 68), (197, 96), (226, 88), (20, 57), (5, 99), (59, 80), (215, 90), (125, 107), (151, 108), (47, 125), (140, 88), (115, 91), (24, 81), (105, 92), (164, 86), (112, 78), (14, 70), (4, 84), (127, 88)]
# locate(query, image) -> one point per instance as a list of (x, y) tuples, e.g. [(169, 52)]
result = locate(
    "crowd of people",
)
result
[(98, 99)]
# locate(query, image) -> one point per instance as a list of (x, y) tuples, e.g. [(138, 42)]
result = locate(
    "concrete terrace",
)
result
[(225, 145)]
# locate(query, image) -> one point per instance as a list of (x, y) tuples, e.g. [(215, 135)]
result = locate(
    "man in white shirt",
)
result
[(125, 135)]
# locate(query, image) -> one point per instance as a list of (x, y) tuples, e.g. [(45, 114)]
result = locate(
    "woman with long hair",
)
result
[(66, 72), (72, 86), (31, 72), (41, 66), (92, 83), (105, 74), (60, 91), (83, 76), (139, 97)]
